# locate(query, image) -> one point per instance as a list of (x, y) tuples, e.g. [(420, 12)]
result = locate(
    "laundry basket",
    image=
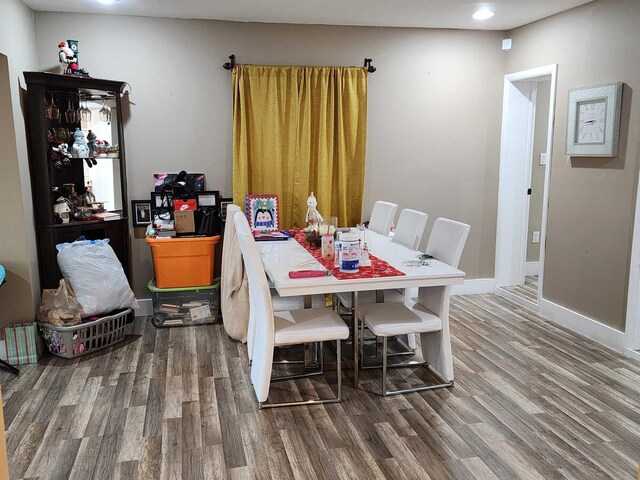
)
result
[(78, 340)]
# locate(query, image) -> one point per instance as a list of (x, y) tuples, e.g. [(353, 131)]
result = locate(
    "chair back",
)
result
[(261, 309), (382, 217), (447, 240), (410, 228)]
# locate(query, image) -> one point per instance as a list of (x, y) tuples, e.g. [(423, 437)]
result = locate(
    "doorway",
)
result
[(526, 143)]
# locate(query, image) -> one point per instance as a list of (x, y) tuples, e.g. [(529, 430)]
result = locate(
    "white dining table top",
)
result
[(281, 257)]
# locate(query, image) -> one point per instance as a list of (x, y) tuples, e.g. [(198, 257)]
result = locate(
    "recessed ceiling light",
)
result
[(107, 2), (483, 14)]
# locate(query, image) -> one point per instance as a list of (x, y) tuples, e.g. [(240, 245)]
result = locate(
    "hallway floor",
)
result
[(528, 291)]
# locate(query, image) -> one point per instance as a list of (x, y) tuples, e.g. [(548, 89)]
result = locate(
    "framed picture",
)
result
[(224, 203), (141, 212), (161, 201), (593, 121), (195, 181), (208, 198), (262, 212)]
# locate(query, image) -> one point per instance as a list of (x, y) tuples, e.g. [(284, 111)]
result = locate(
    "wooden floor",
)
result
[(530, 401), (528, 291)]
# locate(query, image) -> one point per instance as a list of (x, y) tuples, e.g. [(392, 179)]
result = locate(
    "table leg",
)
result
[(356, 351)]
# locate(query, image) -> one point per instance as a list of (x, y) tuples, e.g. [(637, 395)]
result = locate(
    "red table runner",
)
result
[(378, 268)]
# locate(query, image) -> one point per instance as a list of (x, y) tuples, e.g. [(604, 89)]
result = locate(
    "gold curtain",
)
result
[(298, 130)]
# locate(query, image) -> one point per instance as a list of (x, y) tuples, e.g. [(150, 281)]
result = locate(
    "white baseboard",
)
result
[(531, 268), (146, 307), (584, 325), (475, 285), (635, 354)]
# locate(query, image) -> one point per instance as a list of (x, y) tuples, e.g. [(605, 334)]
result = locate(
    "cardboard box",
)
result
[(184, 222)]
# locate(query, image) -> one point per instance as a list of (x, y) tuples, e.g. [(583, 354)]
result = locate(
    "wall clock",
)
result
[(593, 121)]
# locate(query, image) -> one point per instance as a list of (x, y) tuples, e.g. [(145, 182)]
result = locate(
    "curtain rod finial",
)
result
[(230, 65), (367, 64)]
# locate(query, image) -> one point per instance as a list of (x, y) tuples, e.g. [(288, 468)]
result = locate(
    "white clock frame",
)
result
[(612, 95)]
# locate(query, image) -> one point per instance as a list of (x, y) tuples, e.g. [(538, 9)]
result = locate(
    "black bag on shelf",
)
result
[(208, 221)]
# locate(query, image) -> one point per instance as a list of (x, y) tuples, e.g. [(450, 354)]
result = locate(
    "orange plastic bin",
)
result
[(183, 262)]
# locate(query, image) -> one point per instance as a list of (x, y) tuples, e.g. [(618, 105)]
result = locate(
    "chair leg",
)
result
[(303, 375), (339, 368), (364, 366), (385, 366), (337, 399)]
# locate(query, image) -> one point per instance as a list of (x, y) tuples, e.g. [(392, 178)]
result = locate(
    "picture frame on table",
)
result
[(262, 212), (593, 121), (208, 198), (224, 203), (142, 212)]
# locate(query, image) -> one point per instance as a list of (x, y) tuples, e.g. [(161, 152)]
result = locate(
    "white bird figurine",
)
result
[(314, 219)]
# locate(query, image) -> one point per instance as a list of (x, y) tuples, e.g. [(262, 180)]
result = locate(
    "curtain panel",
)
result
[(298, 130)]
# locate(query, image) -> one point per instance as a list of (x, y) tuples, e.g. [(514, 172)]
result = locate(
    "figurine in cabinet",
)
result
[(60, 156), (92, 143), (80, 147), (61, 210)]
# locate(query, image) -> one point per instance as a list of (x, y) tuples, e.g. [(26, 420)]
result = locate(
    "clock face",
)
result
[(591, 121)]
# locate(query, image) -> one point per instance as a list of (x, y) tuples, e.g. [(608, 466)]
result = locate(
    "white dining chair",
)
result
[(382, 217), (427, 315), (285, 328), (235, 295), (410, 228)]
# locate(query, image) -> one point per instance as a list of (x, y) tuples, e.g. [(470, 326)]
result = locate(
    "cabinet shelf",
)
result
[(88, 224)]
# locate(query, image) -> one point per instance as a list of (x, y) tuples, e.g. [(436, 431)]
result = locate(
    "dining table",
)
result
[(281, 257)]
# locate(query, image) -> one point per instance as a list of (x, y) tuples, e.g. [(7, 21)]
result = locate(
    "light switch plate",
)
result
[(536, 237), (543, 159)]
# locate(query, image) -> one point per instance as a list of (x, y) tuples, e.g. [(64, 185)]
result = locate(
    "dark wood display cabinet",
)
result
[(57, 105)]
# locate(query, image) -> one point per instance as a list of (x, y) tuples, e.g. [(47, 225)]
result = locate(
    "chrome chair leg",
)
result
[(315, 373), (386, 393), (384, 366), (338, 397)]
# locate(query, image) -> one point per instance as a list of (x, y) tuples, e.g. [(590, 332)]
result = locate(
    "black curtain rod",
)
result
[(232, 63)]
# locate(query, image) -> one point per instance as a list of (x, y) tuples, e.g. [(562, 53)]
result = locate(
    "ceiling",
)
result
[(388, 13)]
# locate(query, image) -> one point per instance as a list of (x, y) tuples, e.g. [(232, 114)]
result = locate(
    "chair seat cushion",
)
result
[(310, 325), (388, 319), (393, 295)]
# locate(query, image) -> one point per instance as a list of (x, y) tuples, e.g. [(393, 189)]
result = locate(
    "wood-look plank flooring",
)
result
[(528, 291), (530, 401)]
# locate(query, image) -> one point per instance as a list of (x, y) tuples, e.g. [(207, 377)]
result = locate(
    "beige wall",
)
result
[(17, 237), (540, 132), (434, 106), (591, 200)]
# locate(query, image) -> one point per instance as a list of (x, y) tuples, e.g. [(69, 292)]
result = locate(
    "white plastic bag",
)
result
[(95, 274)]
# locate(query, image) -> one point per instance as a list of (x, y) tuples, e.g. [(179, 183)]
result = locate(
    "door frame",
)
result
[(632, 324), (515, 178)]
